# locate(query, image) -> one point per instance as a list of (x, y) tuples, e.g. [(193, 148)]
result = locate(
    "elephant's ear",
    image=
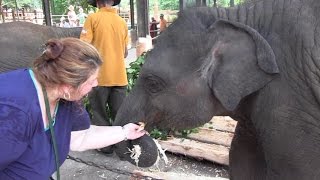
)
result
[(240, 62)]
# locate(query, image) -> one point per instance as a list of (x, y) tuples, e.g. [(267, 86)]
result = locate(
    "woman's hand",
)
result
[(133, 131)]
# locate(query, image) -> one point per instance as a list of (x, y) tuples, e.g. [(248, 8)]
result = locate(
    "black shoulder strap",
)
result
[(51, 131)]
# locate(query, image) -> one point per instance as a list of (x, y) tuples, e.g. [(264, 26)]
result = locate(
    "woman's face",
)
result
[(86, 87)]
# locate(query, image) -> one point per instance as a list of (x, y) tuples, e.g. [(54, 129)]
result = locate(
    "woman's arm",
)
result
[(101, 136)]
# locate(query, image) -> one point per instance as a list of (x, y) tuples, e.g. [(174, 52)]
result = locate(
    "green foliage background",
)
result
[(133, 71), (57, 6), (23, 3), (61, 6)]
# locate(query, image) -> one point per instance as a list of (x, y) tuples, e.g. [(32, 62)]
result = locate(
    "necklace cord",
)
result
[(51, 130)]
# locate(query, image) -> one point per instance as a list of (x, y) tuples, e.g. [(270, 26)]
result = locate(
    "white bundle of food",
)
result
[(136, 150)]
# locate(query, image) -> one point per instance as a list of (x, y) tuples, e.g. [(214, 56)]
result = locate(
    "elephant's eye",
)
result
[(154, 84)]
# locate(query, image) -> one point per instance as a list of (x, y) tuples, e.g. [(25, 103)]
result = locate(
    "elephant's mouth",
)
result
[(142, 152)]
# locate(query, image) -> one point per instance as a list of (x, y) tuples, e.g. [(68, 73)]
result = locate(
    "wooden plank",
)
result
[(211, 136), (221, 123), (175, 176), (211, 152)]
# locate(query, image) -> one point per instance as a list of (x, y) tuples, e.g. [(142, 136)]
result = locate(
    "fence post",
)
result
[(35, 16), (2, 14), (23, 15), (13, 14)]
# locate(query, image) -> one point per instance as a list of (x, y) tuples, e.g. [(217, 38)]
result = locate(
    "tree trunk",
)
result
[(198, 3), (182, 5), (204, 2), (17, 10), (231, 3), (142, 17), (215, 3), (1, 11)]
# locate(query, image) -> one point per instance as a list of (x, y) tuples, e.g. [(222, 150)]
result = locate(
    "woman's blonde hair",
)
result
[(67, 61)]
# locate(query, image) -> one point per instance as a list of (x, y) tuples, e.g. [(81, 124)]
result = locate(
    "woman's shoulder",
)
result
[(15, 80), (17, 89)]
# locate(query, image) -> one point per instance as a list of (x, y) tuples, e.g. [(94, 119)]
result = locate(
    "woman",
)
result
[(51, 92), (81, 17), (72, 16)]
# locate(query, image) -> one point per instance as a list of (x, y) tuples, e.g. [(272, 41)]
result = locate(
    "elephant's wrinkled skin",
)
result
[(21, 42), (259, 65)]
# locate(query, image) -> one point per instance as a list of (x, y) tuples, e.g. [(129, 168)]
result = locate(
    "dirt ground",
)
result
[(178, 164)]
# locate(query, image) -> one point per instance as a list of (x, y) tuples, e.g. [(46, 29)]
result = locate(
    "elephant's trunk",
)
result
[(149, 151)]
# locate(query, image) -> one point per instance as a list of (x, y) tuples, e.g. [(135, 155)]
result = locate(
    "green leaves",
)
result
[(133, 71), (159, 134), (169, 4), (22, 3), (186, 132), (163, 134)]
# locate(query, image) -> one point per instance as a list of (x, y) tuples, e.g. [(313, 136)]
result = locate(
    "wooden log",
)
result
[(221, 123), (211, 152), (211, 136), (174, 176)]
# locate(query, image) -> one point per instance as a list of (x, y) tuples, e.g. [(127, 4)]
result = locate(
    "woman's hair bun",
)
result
[(54, 48)]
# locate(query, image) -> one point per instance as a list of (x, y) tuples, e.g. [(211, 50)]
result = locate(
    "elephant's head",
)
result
[(198, 68)]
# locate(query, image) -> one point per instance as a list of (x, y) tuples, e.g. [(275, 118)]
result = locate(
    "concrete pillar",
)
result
[(134, 37)]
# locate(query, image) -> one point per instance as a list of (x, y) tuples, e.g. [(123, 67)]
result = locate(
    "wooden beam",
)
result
[(175, 176), (211, 136), (211, 152), (222, 123)]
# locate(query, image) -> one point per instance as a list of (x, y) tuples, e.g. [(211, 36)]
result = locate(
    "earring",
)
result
[(66, 96)]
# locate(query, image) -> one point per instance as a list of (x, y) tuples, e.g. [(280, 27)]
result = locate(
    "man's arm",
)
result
[(125, 52), (87, 32), (126, 39)]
